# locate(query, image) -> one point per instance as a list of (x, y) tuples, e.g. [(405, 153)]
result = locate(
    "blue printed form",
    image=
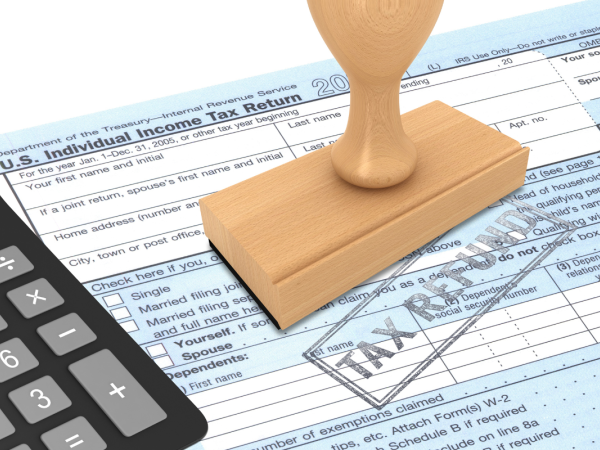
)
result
[(485, 338)]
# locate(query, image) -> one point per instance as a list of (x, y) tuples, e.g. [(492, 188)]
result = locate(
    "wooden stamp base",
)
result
[(299, 235), (243, 282)]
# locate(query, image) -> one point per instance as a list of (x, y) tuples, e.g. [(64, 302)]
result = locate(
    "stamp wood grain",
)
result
[(375, 42), (300, 236)]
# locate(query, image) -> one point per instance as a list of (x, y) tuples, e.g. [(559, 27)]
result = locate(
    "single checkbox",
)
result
[(113, 300)]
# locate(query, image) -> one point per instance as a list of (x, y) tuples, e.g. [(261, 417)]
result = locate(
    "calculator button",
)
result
[(66, 334), (22, 447), (13, 263), (119, 395), (3, 324), (15, 359), (35, 298), (40, 399), (6, 428), (78, 433)]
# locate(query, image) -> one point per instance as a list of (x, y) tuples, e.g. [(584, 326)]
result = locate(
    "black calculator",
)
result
[(70, 376)]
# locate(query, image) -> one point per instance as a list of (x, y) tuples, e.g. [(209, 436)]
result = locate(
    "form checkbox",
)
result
[(120, 313), (156, 350), (130, 326), (164, 361), (113, 300)]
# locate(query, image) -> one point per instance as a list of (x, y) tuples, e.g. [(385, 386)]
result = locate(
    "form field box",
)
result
[(522, 356), (156, 350), (130, 326), (120, 313), (113, 300), (583, 293), (164, 361), (587, 307), (592, 321)]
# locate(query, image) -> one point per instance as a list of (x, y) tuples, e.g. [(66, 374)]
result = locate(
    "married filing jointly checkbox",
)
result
[(130, 326)]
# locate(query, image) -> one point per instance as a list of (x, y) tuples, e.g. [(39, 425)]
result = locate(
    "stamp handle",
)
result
[(374, 41)]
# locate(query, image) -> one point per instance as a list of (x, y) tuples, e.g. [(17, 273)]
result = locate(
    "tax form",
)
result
[(502, 357)]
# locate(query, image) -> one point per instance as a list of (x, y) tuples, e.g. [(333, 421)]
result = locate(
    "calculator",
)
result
[(70, 376)]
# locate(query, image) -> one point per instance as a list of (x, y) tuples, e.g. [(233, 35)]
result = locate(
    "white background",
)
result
[(62, 59)]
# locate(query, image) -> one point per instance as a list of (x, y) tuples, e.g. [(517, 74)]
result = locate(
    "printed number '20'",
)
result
[(9, 361), (42, 398), (337, 82)]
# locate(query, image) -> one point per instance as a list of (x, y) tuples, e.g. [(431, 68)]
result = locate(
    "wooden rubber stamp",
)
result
[(303, 233)]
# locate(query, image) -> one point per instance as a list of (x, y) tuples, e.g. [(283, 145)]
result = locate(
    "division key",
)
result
[(117, 392)]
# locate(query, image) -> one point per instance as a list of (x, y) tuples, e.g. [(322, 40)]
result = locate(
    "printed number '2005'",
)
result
[(163, 142)]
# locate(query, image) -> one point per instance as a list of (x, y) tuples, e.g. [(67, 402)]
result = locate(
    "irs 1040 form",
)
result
[(470, 342)]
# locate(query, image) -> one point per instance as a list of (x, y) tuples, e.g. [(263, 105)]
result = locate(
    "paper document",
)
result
[(485, 338)]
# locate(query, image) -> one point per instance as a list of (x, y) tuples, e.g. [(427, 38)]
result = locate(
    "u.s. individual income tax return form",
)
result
[(486, 338)]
